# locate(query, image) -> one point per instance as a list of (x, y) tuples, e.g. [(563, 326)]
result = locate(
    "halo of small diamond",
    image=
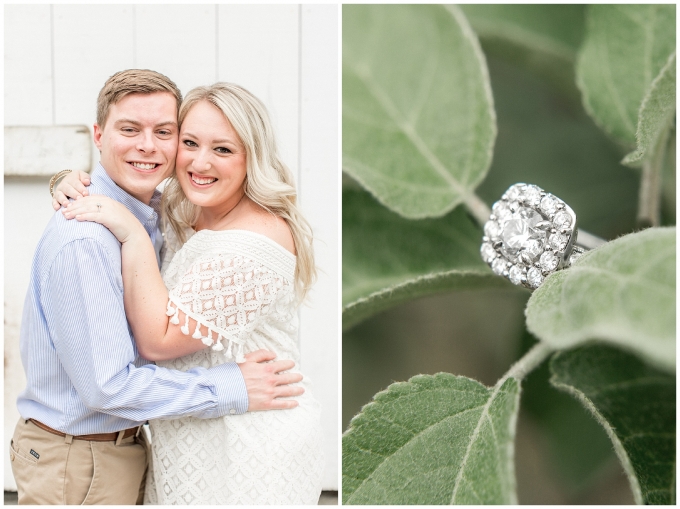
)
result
[(532, 195), (558, 241), (488, 252), (534, 277), (548, 261), (549, 204), (492, 230), (502, 212), (498, 265), (514, 192), (527, 235), (562, 220), (515, 274)]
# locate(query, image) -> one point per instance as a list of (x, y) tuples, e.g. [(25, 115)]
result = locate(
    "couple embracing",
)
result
[(211, 300)]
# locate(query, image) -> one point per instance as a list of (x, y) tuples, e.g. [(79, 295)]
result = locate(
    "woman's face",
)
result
[(211, 160)]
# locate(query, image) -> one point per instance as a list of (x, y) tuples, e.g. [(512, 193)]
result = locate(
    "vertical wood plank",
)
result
[(319, 186), (28, 65), (22, 232), (91, 43), (178, 41), (258, 48)]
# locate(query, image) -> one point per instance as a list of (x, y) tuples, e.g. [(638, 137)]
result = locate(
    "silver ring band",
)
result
[(588, 241)]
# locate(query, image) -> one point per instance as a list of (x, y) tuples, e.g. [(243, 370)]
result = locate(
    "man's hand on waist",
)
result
[(266, 383)]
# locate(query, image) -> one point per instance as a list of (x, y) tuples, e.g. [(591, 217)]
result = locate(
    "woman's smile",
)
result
[(201, 181)]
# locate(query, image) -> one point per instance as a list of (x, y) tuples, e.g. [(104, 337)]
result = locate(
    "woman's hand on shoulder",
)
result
[(74, 185), (103, 210)]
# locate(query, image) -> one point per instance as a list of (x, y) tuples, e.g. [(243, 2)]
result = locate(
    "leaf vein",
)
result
[(423, 431), (407, 128), (473, 439)]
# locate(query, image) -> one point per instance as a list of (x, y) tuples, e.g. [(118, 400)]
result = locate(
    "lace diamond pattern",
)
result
[(236, 283)]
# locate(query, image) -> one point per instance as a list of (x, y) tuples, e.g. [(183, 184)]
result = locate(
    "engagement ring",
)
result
[(531, 234)]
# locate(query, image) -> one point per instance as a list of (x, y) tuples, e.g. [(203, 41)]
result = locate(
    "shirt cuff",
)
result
[(232, 395)]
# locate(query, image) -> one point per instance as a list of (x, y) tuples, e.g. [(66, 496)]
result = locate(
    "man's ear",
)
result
[(97, 136)]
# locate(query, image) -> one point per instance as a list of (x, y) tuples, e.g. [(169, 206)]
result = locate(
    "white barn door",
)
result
[(57, 57)]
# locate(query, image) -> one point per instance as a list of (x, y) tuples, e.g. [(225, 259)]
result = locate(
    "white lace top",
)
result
[(239, 285)]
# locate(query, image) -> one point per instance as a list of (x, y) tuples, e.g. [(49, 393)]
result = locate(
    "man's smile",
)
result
[(143, 166)]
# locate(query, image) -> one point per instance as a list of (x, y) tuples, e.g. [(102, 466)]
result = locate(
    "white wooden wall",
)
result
[(57, 57)]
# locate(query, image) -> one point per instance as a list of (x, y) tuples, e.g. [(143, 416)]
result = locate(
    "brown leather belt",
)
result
[(97, 437)]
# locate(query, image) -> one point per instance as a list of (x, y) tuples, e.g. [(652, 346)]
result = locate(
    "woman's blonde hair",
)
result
[(268, 182)]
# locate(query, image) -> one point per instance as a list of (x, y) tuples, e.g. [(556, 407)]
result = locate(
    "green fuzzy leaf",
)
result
[(541, 38), (439, 439), (554, 30), (622, 293), (656, 114), (387, 259), (418, 121), (624, 50), (636, 406)]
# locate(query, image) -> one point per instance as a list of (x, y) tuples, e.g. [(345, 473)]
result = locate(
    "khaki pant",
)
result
[(50, 469)]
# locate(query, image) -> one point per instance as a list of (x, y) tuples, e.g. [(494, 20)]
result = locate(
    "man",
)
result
[(88, 392)]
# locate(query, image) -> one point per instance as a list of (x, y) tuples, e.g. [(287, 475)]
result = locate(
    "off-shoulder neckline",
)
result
[(269, 241)]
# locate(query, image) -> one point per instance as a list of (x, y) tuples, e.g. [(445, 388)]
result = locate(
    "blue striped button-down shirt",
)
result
[(84, 374)]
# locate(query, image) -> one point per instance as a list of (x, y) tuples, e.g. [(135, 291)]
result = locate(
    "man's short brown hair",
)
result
[(132, 81)]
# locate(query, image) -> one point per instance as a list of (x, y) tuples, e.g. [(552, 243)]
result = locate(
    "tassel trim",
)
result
[(217, 344)]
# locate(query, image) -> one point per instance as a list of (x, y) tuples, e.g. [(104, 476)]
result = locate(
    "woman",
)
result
[(238, 260)]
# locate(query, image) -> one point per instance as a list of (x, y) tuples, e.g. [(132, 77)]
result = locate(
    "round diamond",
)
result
[(492, 230), (533, 248), (532, 195), (562, 220), (548, 261), (488, 252), (534, 277), (549, 204), (558, 241), (519, 231), (514, 192), (498, 266), (515, 274), (502, 212)]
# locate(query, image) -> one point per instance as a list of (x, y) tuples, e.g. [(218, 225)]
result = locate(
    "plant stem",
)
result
[(649, 203), (531, 360), (479, 210)]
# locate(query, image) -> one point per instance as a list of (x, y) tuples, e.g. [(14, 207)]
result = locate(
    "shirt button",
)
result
[(232, 411)]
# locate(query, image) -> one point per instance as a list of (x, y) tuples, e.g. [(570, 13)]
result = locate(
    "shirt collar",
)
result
[(143, 212)]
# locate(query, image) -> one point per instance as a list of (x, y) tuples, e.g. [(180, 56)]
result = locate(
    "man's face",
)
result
[(138, 142)]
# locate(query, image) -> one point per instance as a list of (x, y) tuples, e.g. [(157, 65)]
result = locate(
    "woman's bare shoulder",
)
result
[(265, 223)]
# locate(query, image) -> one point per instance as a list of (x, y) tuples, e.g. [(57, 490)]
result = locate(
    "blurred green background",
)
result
[(546, 138)]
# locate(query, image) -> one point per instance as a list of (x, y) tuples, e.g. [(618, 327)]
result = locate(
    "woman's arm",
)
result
[(145, 295)]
